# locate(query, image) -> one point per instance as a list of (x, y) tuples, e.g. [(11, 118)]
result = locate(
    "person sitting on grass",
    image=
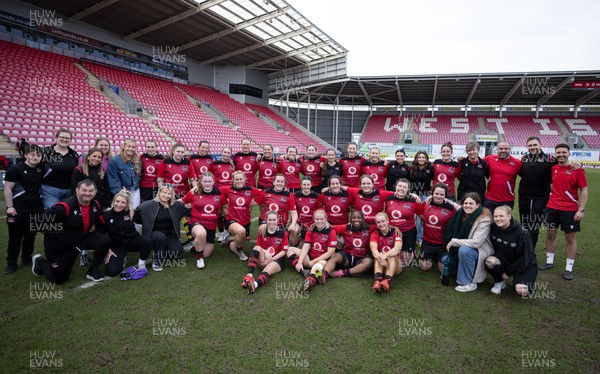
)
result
[(513, 254), (68, 228), (386, 244), (319, 245), (269, 252), (117, 223), (355, 258)]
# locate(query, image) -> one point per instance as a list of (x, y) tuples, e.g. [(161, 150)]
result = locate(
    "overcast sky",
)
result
[(387, 37)]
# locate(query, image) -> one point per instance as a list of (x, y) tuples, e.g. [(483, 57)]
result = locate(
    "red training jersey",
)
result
[(150, 170), (386, 242), (201, 164), (435, 218), (320, 241), (369, 204), (205, 207), (503, 177), (274, 243), (356, 242), (351, 169), (239, 203), (223, 173), (311, 167), (445, 172), (401, 212), (291, 170), (306, 205), (282, 202), (267, 169), (377, 170), (177, 174), (246, 162), (565, 188), (337, 206)]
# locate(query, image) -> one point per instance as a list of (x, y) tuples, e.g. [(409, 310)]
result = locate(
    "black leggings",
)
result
[(59, 262), (532, 216), (165, 245), (20, 237), (140, 244), (527, 277)]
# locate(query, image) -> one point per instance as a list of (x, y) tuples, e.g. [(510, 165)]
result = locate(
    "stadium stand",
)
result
[(293, 131), (384, 129), (516, 129), (43, 91), (588, 128), (443, 129)]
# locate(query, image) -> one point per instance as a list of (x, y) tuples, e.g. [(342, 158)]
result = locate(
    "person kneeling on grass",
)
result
[(514, 255), (319, 245), (269, 252), (117, 223), (355, 258), (467, 234), (386, 244), (68, 227)]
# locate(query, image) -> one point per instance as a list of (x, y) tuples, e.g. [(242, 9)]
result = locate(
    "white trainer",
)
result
[(200, 263), (498, 287), (466, 287)]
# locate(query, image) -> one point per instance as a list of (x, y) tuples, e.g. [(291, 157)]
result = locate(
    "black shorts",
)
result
[(431, 251), (247, 227), (554, 217), (409, 240), (350, 259), (303, 232), (527, 277), (280, 262), (210, 234)]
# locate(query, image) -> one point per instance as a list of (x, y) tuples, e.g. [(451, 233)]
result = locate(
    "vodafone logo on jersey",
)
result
[(442, 177), (268, 172), (225, 175), (208, 209), (375, 177), (336, 209), (310, 168), (385, 249), (433, 220), (357, 243), (290, 169), (305, 209), (271, 250), (396, 214), (240, 201), (352, 170), (367, 210), (203, 169), (150, 169), (247, 167), (177, 178), (318, 247), (274, 207)]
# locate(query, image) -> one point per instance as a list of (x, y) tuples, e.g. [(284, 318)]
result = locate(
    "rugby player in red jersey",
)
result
[(386, 246)]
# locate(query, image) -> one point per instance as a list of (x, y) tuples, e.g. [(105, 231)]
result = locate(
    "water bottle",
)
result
[(446, 271)]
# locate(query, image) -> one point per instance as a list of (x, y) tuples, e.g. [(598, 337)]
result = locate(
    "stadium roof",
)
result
[(262, 34), (506, 89)]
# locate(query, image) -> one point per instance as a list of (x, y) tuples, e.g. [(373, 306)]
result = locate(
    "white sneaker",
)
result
[(200, 263), (188, 247), (223, 236), (466, 287), (156, 266), (242, 256), (498, 287)]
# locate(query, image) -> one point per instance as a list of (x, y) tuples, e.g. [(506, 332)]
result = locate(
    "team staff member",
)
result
[(117, 223), (421, 175), (202, 161), (58, 162), (76, 215), (534, 187), (22, 184), (91, 168), (502, 172), (351, 166), (445, 170), (566, 208), (386, 244), (269, 253), (329, 168), (177, 171), (206, 202), (471, 172), (375, 167), (150, 161), (311, 165), (396, 170), (267, 168), (124, 171), (514, 256), (246, 161)]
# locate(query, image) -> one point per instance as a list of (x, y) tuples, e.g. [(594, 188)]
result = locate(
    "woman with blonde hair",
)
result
[(124, 171), (386, 244), (117, 223)]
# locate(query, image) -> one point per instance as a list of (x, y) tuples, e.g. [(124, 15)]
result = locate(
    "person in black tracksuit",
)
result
[(397, 169), (472, 172), (91, 168), (67, 227), (534, 188), (117, 223), (513, 256), (22, 184)]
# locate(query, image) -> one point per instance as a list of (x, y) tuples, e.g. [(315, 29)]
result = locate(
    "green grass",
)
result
[(419, 326)]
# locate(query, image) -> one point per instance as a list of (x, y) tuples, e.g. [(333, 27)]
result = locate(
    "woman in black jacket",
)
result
[(91, 168), (117, 223), (513, 254), (161, 221)]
